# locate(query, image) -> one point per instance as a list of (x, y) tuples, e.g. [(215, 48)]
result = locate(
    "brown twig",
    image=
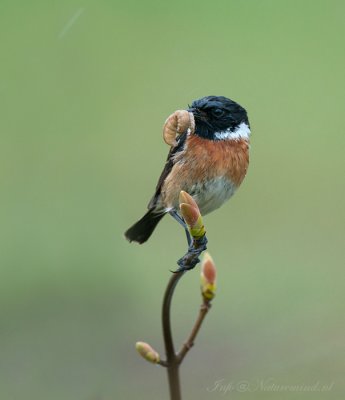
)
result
[(174, 360), (206, 305), (192, 216), (172, 363)]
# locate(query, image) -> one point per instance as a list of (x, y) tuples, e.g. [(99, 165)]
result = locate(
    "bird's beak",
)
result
[(198, 115), (195, 112)]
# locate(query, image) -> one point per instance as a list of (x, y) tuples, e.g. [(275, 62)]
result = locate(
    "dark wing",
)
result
[(167, 169)]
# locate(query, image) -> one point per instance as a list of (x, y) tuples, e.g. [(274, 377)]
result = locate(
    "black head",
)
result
[(215, 114)]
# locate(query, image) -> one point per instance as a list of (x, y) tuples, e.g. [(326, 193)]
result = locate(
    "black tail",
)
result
[(143, 229)]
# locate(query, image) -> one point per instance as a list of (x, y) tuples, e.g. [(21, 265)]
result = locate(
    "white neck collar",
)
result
[(242, 131)]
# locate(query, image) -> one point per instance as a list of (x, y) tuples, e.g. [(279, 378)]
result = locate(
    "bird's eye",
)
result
[(218, 112)]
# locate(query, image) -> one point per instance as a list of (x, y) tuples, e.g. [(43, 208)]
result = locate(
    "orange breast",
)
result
[(204, 160), (218, 158)]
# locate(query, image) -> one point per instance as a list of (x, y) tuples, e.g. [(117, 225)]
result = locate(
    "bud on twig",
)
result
[(191, 214), (147, 352), (208, 278)]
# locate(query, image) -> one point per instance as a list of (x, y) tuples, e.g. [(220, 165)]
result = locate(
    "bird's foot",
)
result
[(191, 258)]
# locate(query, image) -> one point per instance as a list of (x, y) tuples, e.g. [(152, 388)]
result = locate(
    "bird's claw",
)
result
[(191, 258)]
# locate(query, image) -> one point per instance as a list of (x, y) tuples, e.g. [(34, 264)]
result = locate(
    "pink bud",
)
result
[(189, 213), (208, 269), (208, 278), (188, 199)]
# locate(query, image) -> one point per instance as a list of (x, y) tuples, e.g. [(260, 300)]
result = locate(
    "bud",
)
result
[(147, 352), (191, 214), (208, 277), (185, 197)]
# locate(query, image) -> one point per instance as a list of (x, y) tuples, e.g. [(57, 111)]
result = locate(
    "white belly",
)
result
[(212, 194)]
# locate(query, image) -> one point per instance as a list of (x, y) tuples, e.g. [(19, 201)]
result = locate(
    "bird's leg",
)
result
[(195, 246), (180, 220)]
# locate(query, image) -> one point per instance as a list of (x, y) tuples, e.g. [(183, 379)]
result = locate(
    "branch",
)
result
[(172, 361), (204, 308), (167, 335), (192, 216)]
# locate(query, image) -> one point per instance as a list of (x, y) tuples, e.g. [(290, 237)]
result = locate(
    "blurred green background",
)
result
[(85, 87)]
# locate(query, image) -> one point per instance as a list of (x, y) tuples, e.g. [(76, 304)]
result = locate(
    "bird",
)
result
[(208, 161)]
